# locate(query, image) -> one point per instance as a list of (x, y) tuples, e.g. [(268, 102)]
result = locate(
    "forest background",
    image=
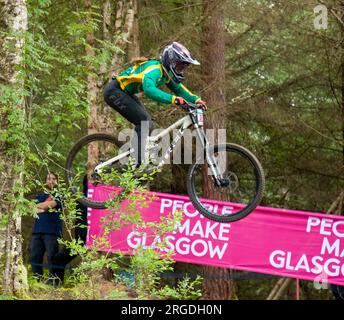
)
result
[(271, 77)]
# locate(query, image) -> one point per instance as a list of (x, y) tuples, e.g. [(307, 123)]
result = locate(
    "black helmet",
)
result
[(175, 59)]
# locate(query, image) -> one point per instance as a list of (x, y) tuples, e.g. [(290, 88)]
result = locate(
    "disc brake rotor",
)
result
[(231, 182)]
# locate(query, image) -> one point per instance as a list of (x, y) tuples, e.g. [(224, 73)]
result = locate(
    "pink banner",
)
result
[(281, 242)]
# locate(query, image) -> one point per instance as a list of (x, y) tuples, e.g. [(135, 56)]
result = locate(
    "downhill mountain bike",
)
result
[(224, 172)]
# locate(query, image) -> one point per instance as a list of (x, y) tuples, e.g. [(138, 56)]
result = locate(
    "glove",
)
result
[(199, 101), (178, 101)]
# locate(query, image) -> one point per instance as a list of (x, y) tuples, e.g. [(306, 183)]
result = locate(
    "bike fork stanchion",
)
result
[(209, 158)]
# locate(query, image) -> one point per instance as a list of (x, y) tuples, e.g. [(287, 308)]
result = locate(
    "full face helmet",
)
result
[(175, 59)]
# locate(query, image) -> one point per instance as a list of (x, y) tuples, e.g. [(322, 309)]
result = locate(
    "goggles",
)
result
[(181, 66)]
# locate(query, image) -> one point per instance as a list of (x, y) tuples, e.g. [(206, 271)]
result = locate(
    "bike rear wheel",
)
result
[(77, 166), (244, 188)]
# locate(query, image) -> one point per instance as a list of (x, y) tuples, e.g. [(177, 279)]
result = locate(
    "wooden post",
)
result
[(282, 288), (297, 289), (275, 288)]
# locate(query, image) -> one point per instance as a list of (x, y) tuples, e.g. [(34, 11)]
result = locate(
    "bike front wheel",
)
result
[(242, 189)]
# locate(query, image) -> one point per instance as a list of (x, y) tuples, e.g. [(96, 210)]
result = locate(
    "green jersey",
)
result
[(147, 77)]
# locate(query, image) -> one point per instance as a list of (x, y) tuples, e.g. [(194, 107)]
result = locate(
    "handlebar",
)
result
[(188, 105)]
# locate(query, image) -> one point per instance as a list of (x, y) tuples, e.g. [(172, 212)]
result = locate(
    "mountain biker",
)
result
[(146, 76)]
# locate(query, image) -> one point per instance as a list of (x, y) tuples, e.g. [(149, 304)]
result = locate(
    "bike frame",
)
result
[(193, 119)]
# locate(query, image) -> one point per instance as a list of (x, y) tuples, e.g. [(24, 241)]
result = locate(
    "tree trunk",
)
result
[(101, 118), (216, 284), (105, 114), (126, 11), (92, 91), (125, 29), (134, 35), (101, 115), (13, 19)]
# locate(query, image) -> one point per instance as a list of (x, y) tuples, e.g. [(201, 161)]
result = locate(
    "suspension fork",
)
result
[(210, 159)]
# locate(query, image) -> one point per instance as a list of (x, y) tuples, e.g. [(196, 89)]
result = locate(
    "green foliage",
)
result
[(116, 294), (187, 289), (283, 93), (5, 297), (146, 264)]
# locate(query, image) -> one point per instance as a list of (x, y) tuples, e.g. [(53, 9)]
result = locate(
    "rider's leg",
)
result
[(130, 107)]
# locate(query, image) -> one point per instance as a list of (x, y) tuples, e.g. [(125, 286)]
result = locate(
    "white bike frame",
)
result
[(195, 119)]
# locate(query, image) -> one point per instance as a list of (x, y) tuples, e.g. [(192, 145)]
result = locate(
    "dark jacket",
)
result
[(49, 221)]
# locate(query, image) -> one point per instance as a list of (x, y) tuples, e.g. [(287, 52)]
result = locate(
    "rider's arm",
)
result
[(150, 89), (181, 91)]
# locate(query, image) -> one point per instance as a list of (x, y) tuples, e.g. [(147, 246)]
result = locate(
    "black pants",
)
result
[(41, 243), (130, 107), (60, 261), (338, 291), (63, 257)]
